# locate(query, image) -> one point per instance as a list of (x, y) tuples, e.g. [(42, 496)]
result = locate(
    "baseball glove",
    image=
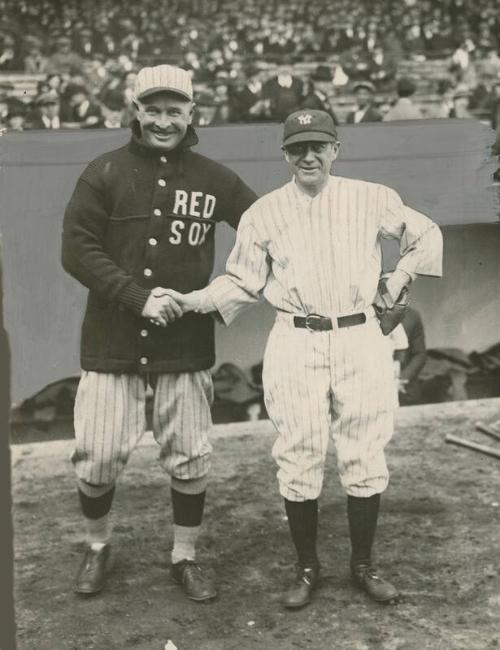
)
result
[(389, 318)]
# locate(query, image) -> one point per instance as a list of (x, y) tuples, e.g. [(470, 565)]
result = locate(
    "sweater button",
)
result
[(162, 182), (143, 361), (152, 241), (148, 273), (163, 159), (157, 212), (144, 333)]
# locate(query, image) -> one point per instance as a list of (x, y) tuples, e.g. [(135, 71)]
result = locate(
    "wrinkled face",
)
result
[(164, 118), (311, 163)]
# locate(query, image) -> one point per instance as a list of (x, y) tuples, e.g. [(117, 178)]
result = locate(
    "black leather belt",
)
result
[(317, 323)]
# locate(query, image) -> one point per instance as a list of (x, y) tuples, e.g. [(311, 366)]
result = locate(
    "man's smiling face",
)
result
[(311, 163), (164, 118)]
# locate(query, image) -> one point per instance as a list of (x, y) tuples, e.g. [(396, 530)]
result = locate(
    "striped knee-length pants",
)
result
[(110, 420)]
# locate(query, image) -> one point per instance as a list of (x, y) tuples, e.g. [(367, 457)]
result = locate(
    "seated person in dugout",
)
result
[(312, 248)]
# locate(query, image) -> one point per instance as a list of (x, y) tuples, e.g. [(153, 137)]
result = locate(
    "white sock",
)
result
[(185, 538), (98, 531)]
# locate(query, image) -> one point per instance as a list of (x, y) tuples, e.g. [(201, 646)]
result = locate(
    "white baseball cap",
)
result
[(163, 77)]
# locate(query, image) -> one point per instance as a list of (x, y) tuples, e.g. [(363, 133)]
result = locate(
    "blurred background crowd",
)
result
[(72, 63)]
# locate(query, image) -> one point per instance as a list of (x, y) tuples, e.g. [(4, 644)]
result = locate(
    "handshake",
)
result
[(164, 306)]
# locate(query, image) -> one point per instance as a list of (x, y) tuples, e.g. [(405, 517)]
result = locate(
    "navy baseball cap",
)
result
[(309, 125)]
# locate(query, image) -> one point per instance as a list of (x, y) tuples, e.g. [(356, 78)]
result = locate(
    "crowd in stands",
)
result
[(251, 60)]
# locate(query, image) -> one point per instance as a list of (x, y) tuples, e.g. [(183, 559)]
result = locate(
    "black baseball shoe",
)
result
[(367, 579), (300, 592), (196, 585), (92, 572)]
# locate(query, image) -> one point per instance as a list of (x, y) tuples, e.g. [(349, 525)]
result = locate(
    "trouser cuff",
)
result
[(190, 486)]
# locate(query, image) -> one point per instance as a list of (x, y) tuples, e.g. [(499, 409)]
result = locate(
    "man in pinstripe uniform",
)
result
[(312, 247), (141, 218)]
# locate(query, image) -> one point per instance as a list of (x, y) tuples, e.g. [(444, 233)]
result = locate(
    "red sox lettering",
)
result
[(191, 204)]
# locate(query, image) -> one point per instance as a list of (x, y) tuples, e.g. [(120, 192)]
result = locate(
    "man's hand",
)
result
[(198, 301), (394, 285), (161, 308)]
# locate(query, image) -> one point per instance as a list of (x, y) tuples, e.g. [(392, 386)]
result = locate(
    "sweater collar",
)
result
[(138, 147)]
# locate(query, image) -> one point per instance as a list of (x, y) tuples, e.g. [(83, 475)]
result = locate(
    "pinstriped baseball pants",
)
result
[(110, 420), (336, 384)]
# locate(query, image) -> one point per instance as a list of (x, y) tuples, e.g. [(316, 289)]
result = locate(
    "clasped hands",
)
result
[(164, 306)]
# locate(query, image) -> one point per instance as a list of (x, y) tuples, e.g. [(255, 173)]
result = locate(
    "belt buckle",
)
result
[(310, 318)]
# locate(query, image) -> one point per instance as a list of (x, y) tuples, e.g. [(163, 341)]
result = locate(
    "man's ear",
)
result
[(285, 153), (191, 112)]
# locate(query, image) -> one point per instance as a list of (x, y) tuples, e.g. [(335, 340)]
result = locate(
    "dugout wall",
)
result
[(440, 167)]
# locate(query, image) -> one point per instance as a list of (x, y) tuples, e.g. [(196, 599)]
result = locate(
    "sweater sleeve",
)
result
[(83, 249), (238, 199)]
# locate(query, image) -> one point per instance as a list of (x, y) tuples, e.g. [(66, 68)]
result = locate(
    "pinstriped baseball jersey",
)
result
[(110, 420), (322, 255)]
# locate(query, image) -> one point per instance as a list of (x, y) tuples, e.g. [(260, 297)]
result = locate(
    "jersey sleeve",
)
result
[(247, 270), (420, 239), (83, 254)]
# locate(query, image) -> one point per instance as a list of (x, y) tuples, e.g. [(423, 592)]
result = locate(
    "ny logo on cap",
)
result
[(305, 118)]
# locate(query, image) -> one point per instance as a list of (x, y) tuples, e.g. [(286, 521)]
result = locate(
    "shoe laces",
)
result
[(191, 568)]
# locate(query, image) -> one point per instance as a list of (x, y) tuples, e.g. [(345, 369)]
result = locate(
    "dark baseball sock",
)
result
[(188, 508), (362, 514), (303, 522), (96, 507)]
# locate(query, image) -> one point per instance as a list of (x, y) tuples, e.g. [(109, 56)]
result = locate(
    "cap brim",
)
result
[(164, 89), (309, 136)]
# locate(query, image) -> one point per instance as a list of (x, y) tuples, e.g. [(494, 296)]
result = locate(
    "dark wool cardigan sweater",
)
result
[(141, 218)]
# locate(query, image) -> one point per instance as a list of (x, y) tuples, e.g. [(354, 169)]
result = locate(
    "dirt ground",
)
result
[(438, 539)]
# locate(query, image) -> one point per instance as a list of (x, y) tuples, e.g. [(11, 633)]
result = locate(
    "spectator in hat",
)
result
[(46, 114), (84, 44), (35, 62), (115, 115), (206, 109), (65, 60), (364, 111), (445, 91), (382, 68), (461, 99), (321, 92), (249, 104), (82, 110), (404, 108), (16, 119), (223, 104), (284, 92), (9, 59), (7, 92)]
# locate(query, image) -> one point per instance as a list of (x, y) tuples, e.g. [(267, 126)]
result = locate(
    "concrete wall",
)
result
[(439, 167)]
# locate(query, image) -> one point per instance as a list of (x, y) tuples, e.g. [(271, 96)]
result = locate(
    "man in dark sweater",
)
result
[(142, 218)]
